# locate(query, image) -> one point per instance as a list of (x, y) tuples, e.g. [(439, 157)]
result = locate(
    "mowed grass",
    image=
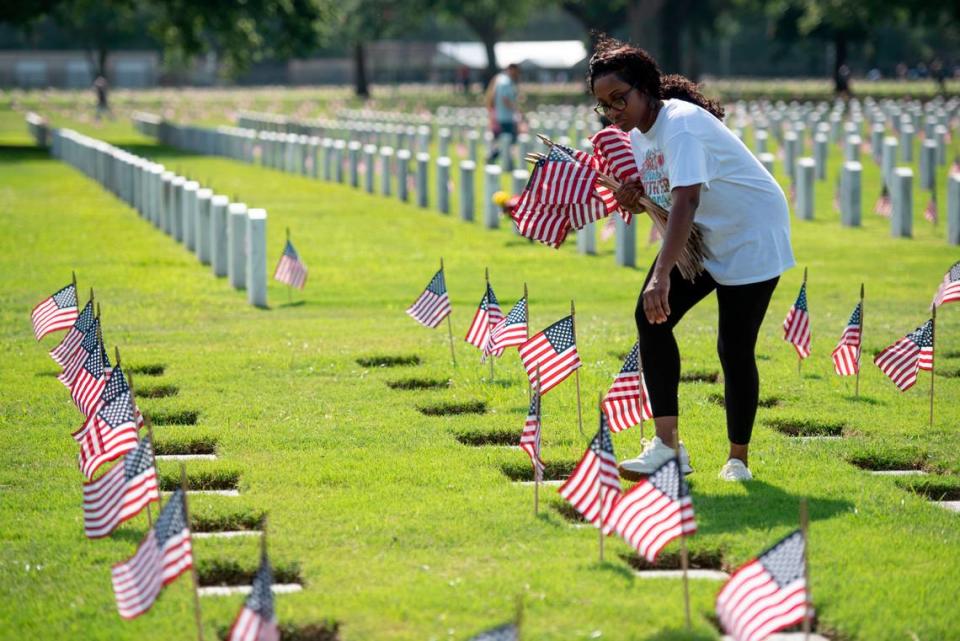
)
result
[(397, 529)]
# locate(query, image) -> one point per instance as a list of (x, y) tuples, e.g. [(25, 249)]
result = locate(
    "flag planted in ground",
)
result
[(257, 620), (78, 355), (949, 289), (930, 211), (57, 312), (767, 594), (433, 305), (626, 402), (554, 352), (110, 431), (796, 327), (884, 206), (62, 352), (530, 439), (488, 314), (655, 511), (291, 270), (594, 486), (846, 355), (121, 493), (91, 379), (164, 554), (511, 331), (905, 358)]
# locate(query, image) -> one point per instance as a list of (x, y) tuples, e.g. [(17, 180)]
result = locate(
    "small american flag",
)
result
[(609, 229), (487, 316), (75, 360), (120, 494), (846, 356), (164, 554), (767, 594), (530, 439), (554, 352), (884, 206), (615, 158), (62, 352), (291, 270), (257, 620), (912, 353), (655, 511), (433, 305), (594, 487), (505, 632), (627, 402), (597, 162), (91, 378), (511, 331), (836, 197), (930, 211), (111, 430), (949, 289), (57, 312), (796, 327)]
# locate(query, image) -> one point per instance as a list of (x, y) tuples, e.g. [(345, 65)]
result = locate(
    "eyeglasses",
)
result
[(617, 105)]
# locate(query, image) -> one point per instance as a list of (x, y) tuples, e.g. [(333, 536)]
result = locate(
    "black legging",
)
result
[(742, 308)]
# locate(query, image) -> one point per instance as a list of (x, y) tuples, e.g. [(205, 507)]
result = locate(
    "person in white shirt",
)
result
[(503, 107), (702, 174)]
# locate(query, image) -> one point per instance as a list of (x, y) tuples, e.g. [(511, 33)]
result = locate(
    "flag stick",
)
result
[(289, 286), (933, 349), (193, 568), (133, 410), (449, 324), (804, 526), (684, 558), (573, 325), (603, 515), (528, 328), (487, 274), (73, 276), (860, 349), (536, 473), (91, 294)]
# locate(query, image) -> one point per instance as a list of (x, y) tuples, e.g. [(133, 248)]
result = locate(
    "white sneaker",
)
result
[(655, 453), (735, 470)]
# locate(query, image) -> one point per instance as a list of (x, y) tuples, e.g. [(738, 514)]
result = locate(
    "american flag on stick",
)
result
[(91, 378), (164, 554), (846, 356), (554, 352), (121, 493), (291, 270), (511, 331), (76, 358), (58, 311), (949, 289), (930, 211), (767, 594), (530, 439), (796, 327), (593, 488), (488, 314), (110, 431), (905, 358), (257, 620), (433, 305), (627, 402), (62, 352), (655, 511), (884, 206)]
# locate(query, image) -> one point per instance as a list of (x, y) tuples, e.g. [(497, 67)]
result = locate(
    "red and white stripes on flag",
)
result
[(796, 327), (530, 439), (257, 620), (487, 316), (433, 305), (615, 158), (655, 511), (930, 211), (121, 493), (164, 554), (846, 356), (57, 312), (62, 352), (767, 594), (884, 206), (291, 270), (511, 331), (905, 358), (111, 431), (593, 488), (90, 381), (75, 360), (553, 352), (949, 289), (627, 402)]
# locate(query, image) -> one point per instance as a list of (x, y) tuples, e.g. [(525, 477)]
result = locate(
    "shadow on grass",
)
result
[(869, 400), (22, 153), (682, 634), (296, 303)]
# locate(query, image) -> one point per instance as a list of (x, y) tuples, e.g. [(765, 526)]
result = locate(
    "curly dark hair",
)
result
[(637, 68)]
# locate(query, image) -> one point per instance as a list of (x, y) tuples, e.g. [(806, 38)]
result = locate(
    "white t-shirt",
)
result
[(743, 213)]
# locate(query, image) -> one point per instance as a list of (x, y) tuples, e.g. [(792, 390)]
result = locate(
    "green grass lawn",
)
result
[(397, 529)]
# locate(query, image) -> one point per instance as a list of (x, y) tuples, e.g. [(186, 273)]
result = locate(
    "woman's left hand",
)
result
[(656, 303), (628, 195)]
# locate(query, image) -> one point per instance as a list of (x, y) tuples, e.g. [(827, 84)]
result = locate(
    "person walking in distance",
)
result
[(502, 107)]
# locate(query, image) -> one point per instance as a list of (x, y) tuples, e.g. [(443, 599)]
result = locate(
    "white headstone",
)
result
[(237, 244), (256, 250)]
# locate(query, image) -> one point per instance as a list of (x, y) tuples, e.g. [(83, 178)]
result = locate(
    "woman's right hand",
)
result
[(628, 195)]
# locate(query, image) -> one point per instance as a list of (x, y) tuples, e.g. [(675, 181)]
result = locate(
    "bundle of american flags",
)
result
[(796, 326), (291, 270), (906, 357)]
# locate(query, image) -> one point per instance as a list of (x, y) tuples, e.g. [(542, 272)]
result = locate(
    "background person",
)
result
[(502, 107)]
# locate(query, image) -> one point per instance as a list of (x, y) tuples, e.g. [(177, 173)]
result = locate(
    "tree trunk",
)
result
[(489, 40), (840, 84), (361, 86)]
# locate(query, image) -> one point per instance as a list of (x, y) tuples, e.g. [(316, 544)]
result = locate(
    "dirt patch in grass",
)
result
[(192, 446), (805, 427), (884, 461), (151, 369), (523, 471), (327, 631), (567, 511), (230, 573), (246, 520), (205, 480), (934, 489), (389, 361), (710, 559), (765, 401), (418, 384), (481, 439), (159, 391), (700, 376), (183, 417), (451, 409)]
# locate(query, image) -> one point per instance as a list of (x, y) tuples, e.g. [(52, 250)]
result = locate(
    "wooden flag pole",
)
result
[(603, 515), (684, 557), (487, 276), (573, 324), (933, 349), (91, 295), (193, 568), (804, 527), (449, 323), (73, 276), (860, 349), (289, 286), (133, 410), (536, 473)]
